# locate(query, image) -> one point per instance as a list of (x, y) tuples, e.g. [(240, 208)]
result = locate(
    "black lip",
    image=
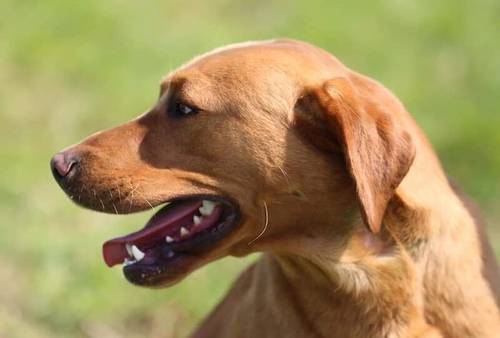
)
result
[(166, 269)]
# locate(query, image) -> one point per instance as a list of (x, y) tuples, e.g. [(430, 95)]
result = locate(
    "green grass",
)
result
[(69, 68)]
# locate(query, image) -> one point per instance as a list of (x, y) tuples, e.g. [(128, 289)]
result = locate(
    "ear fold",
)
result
[(366, 127)]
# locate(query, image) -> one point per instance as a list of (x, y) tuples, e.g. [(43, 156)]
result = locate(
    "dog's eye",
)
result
[(182, 110)]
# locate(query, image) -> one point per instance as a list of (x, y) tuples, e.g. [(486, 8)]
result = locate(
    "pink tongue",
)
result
[(163, 223)]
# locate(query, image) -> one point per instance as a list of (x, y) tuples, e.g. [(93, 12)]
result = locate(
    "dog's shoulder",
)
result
[(490, 269)]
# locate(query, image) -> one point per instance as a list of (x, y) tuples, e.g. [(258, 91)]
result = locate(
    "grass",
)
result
[(68, 69)]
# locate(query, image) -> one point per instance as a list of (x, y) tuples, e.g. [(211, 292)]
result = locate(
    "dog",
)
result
[(277, 147)]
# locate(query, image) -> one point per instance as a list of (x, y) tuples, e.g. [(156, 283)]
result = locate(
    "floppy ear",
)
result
[(365, 126)]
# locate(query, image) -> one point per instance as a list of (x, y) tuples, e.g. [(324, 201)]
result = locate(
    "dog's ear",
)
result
[(365, 126)]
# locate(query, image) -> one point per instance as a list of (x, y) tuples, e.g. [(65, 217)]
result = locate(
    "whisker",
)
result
[(147, 201), (114, 207), (119, 194), (102, 204), (130, 196), (265, 224), (285, 174), (134, 189)]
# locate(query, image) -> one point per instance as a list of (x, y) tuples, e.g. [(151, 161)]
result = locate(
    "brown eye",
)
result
[(183, 110)]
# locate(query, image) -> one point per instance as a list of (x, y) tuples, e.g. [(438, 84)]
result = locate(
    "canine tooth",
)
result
[(207, 207), (129, 249), (137, 253), (197, 219), (184, 231), (169, 239)]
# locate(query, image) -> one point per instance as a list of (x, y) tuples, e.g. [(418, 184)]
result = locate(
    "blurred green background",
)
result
[(70, 68)]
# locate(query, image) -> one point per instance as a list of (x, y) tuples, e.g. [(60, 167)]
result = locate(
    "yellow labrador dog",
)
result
[(277, 147)]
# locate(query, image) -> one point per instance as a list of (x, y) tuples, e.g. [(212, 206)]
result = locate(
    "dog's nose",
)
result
[(62, 164)]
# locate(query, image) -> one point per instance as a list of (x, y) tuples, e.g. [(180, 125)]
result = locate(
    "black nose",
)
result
[(63, 164)]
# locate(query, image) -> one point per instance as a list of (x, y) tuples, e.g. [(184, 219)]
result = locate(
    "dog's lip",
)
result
[(151, 244)]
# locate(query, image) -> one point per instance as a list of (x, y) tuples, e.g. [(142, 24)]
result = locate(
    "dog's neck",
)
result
[(377, 279), (369, 296), (370, 277)]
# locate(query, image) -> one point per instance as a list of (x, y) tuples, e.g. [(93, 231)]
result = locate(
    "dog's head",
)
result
[(271, 146)]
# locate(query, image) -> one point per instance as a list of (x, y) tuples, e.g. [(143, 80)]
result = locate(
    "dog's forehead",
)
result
[(285, 62)]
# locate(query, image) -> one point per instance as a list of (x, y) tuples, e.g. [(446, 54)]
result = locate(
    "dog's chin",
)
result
[(184, 234), (161, 274)]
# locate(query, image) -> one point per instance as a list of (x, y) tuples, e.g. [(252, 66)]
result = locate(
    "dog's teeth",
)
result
[(129, 261), (169, 239), (137, 253), (129, 249), (184, 232), (207, 207), (197, 219)]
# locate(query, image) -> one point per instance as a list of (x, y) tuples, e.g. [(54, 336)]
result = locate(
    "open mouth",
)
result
[(172, 239)]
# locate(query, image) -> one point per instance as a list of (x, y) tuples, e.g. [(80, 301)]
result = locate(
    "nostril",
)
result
[(62, 164)]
